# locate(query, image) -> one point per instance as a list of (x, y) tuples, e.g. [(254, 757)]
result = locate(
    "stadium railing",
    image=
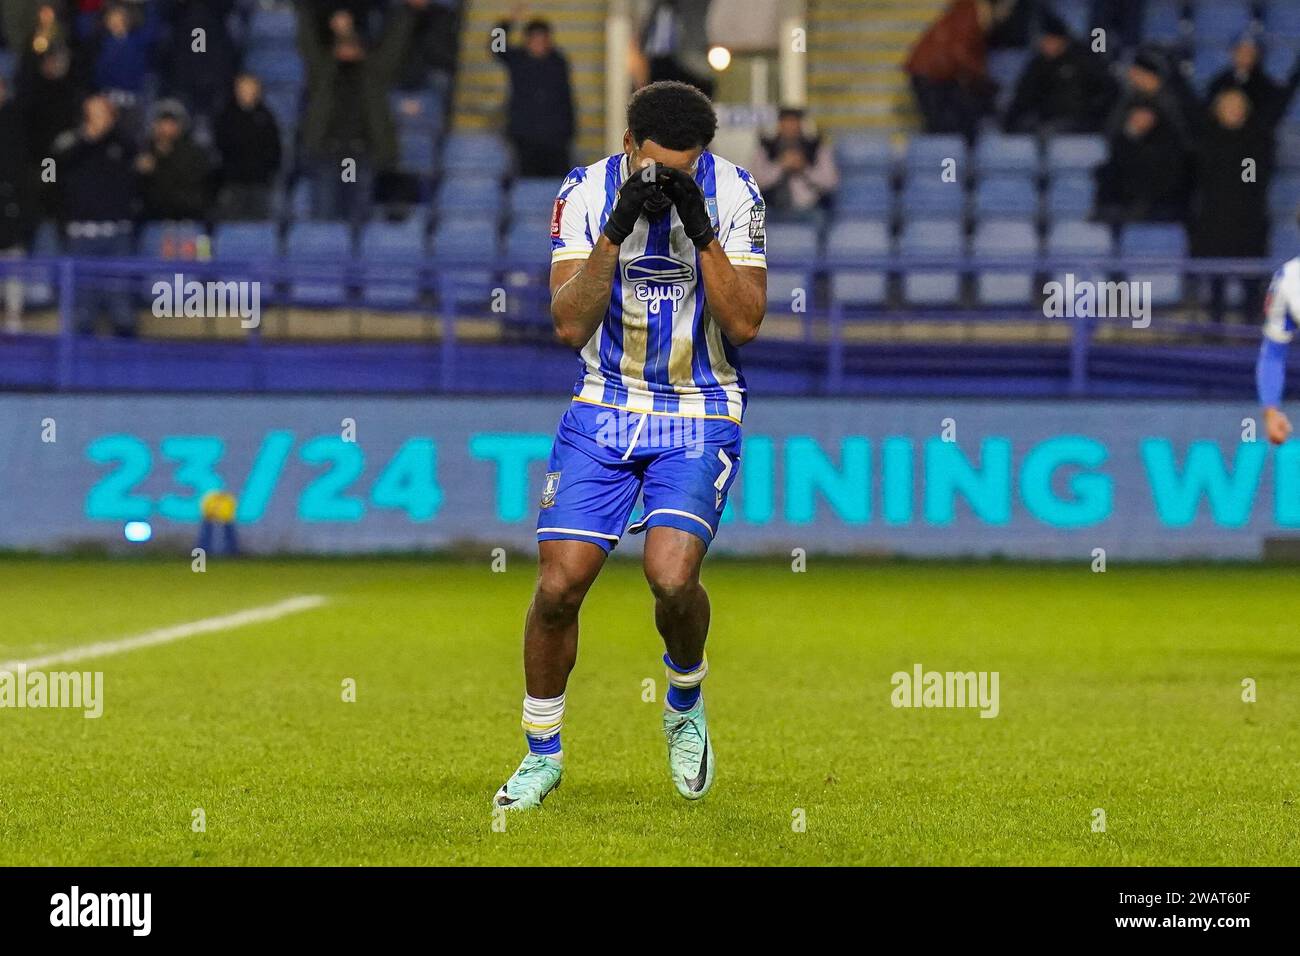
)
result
[(816, 335)]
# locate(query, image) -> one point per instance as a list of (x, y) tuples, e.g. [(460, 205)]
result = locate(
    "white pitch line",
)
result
[(177, 632)]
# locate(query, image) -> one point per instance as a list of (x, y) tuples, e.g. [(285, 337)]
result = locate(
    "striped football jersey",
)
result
[(658, 349)]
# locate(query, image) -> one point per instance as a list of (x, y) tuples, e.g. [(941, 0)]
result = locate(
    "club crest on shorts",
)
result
[(549, 489)]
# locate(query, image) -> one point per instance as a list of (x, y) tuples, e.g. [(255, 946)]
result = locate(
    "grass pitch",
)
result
[(1120, 691)]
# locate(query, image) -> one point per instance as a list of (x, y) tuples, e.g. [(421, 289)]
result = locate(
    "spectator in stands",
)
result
[(348, 131), (175, 172), (1269, 100), (15, 201), (248, 139), (122, 50), (665, 43), (94, 162), (1153, 81), (200, 75), (1065, 88), (433, 46), (1146, 177), (949, 70), (1230, 209), (50, 100), (35, 28), (794, 170), (1122, 21), (540, 121)]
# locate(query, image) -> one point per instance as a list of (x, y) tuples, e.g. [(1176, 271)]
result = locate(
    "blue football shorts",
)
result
[(604, 458)]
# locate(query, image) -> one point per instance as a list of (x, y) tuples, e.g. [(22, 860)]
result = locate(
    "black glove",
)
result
[(687, 196), (632, 196)]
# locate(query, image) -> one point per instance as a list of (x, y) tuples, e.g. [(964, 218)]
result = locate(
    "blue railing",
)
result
[(515, 290)]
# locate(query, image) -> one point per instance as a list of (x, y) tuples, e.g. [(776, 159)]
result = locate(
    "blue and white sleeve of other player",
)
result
[(1281, 310)]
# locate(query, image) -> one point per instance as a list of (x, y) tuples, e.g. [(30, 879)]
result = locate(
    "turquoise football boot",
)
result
[(690, 751), (528, 786)]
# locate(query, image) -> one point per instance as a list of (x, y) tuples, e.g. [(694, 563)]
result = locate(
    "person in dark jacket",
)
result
[(1269, 100), (540, 121), (50, 102), (948, 68), (1065, 88), (175, 172), (94, 164), (1147, 176), (348, 131), (15, 201), (1234, 166), (200, 75), (248, 139)]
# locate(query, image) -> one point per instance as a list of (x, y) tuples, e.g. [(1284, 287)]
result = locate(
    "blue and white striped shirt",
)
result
[(658, 349)]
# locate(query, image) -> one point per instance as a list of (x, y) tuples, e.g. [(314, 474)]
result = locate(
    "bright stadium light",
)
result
[(137, 532), (719, 58)]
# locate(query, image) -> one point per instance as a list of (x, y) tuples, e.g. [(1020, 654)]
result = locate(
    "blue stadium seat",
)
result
[(273, 25), (471, 249), (1000, 240), (246, 241), (1156, 239), (863, 152), (1278, 60), (417, 109), (318, 243), (864, 196), (1209, 63), (1073, 241), (393, 251), (415, 152), (275, 67), (483, 154), (927, 197), (1284, 242), (533, 199), (1075, 151), (1284, 195), (1163, 21), (39, 288), (795, 244), (8, 64), (252, 243), (464, 194), (1080, 239), (929, 238), (849, 240), (927, 154), (1070, 197), (528, 243), (1221, 20), (1288, 147), (1006, 197), (1074, 14), (1282, 20), (1000, 153)]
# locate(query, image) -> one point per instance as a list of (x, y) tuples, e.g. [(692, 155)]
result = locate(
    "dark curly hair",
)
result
[(674, 115)]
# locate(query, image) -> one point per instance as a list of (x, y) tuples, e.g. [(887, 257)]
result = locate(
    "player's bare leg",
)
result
[(672, 566), (566, 570)]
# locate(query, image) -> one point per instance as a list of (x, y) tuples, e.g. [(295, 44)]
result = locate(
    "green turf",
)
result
[(1119, 691)]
